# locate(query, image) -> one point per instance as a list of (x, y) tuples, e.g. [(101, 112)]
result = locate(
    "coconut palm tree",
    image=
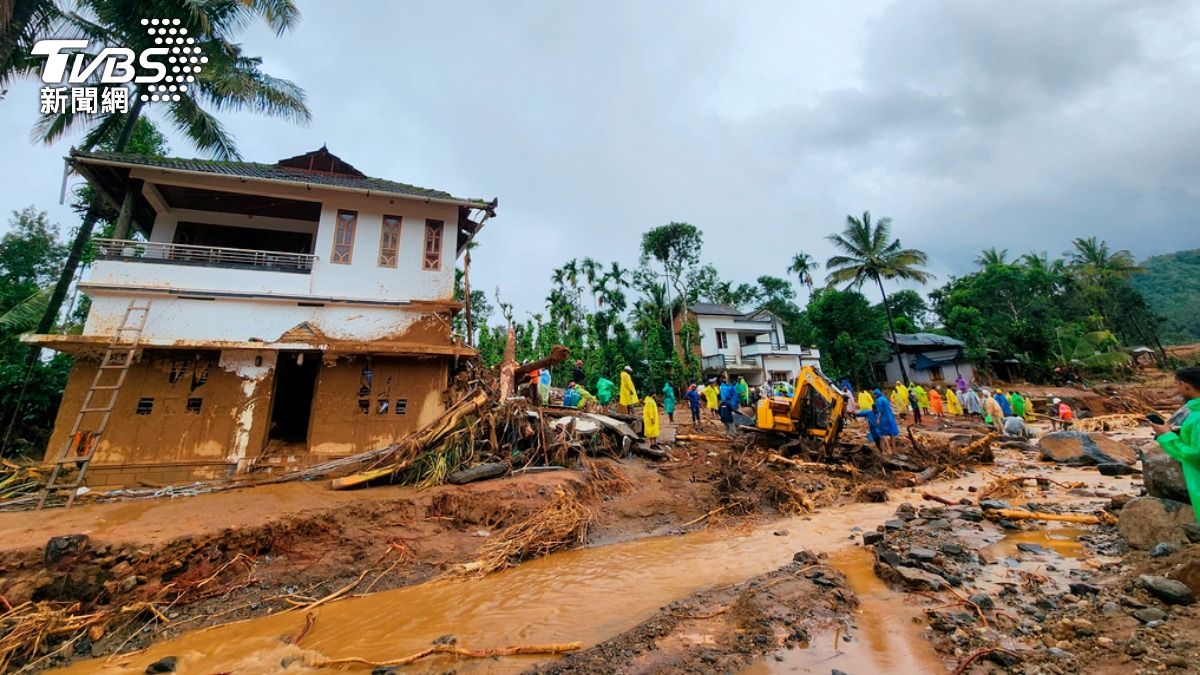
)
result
[(229, 80), (22, 22), (1094, 259), (803, 265), (992, 256), (870, 254)]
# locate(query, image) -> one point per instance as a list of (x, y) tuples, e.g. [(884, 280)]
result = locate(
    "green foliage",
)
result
[(849, 332), (30, 257), (909, 311), (1170, 285)]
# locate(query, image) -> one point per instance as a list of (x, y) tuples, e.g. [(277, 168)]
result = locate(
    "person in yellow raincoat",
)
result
[(629, 395), (712, 399), (650, 418), (865, 402), (900, 399), (953, 406)]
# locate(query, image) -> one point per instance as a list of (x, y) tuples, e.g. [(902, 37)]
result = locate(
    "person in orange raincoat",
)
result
[(935, 403)]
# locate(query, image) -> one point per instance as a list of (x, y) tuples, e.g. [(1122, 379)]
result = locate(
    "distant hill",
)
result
[(1171, 284)]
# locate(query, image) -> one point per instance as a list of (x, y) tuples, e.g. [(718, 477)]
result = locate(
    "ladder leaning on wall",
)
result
[(81, 442)]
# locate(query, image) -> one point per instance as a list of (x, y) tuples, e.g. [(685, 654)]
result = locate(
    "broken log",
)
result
[(558, 354), (701, 438), (478, 472), (819, 466), (364, 477), (1104, 518), (508, 366), (934, 498)]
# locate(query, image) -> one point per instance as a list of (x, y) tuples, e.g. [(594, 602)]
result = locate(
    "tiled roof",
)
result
[(254, 170), (713, 309)]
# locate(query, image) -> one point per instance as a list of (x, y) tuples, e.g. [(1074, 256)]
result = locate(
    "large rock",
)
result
[(1189, 574), (1169, 591), (1163, 475), (909, 577), (1146, 521), (63, 546), (1077, 447)]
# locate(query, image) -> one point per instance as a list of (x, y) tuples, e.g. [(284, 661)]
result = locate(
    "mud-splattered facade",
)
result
[(298, 312)]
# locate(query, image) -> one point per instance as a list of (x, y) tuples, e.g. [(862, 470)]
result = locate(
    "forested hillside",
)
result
[(1171, 284)]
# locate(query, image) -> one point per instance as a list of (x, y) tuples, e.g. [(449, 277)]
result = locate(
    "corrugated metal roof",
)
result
[(254, 170), (925, 340)]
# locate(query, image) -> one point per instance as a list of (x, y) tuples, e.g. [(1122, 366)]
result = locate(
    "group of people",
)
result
[(1006, 412)]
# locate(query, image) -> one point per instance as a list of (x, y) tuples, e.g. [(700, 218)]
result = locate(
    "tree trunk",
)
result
[(82, 237), (125, 217), (467, 297), (892, 330)]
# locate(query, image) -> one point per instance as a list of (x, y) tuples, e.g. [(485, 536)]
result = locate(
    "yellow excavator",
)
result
[(812, 416)]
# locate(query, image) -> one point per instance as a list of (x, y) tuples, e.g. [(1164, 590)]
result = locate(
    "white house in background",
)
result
[(929, 358), (298, 311), (749, 345)]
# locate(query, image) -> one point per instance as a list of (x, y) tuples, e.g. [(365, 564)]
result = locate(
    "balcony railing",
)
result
[(204, 256), (727, 361)]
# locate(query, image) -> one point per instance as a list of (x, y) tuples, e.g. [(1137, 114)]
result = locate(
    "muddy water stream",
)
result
[(587, 595)]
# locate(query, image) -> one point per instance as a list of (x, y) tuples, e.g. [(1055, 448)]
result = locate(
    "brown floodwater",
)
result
[(586, 595), (886, 637)]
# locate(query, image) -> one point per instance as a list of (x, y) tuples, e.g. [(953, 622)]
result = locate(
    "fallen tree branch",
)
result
[(710, 513), (339, 592), (776, 458), (453, 650), (309, 620), (1103, 518), (962, 668), (934, 498)]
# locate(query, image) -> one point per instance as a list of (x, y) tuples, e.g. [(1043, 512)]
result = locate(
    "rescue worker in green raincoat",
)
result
[(1184, 445), (743, 391), (604, 391), (669, 401), (1018, 404)]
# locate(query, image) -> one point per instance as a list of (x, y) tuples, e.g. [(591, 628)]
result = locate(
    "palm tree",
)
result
[(870, 254), (1094, 259), (803, 265), (992, 257), (592, 272), (229, 80), (22, 22)]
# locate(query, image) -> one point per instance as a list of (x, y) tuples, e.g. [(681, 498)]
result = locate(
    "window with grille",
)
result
[(343, 237), (145, 406), (389, 241), (401, 406), (433, 245), (193, 405), (722, 340)]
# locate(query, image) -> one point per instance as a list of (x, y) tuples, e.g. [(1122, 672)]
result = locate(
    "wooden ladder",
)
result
[(80, 446)]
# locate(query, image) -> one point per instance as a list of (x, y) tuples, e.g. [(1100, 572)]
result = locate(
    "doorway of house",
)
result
[(291, 406)]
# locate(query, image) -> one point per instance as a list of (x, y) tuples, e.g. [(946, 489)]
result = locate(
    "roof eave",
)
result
[(77, 157)]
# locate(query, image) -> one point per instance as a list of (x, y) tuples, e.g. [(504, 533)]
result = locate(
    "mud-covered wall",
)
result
[(341, 425), (184, 411)]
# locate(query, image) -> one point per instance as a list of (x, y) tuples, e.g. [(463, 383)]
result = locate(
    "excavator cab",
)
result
[(813, 412)]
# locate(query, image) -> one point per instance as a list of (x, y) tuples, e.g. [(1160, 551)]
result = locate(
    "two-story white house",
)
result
[(297, 311), (750, 345)]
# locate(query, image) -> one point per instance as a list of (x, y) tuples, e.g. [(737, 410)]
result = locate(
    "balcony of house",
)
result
[(732, 362), (154, 265), (756, 349)]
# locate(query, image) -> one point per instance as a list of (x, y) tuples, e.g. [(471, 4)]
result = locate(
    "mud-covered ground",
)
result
[(723, 630), (221, 557), (1033, 597)]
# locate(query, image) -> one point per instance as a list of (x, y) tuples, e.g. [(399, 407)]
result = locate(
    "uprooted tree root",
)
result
[(745, 482), (562, 524)]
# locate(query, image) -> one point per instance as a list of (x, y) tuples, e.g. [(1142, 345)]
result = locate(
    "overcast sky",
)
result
[(1018, 124)]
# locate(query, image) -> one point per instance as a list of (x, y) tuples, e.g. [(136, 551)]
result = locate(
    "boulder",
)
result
[(62, 546), (1147, 521), (1078, 447), (1169, 591), (164, 665), (911, 577), (1114, 469), (1189, 574), (1163, 475)]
